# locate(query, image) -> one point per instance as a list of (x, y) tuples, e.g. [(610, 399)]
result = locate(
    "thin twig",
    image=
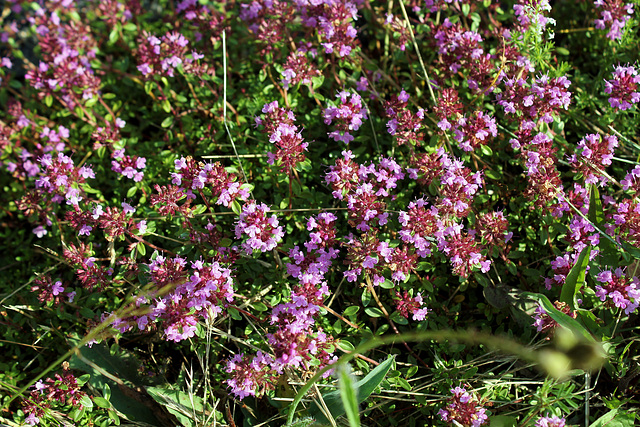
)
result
[(224, 104)]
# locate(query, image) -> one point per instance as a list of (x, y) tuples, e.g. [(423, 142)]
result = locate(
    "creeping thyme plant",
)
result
[(270, 212)]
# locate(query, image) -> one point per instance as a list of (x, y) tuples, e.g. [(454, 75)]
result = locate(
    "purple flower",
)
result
[(57, 288), (553, 421), (127, 208), (40, 231)]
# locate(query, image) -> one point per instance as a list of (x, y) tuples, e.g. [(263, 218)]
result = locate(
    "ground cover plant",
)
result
[(319, 212)]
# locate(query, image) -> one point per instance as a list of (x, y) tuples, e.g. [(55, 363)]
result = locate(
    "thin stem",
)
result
[(224, 104), (415, 46)]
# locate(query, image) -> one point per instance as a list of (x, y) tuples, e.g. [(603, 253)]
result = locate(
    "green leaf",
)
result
[(166, 106), (235, 207), (373, 312), (605, 419), (486, 150), (82, 380), (316, 81), (403, 383), (168, 121), (121, 365), (132, 191), (350, 311), (113, 35), (142, 250), (101, 402), (608, 250), (77, 414), (106, 391), (178, 403), (346, 346), (387, 284), (114, 416), (632, 250), (348, 395), (260, 306), (366, 297), (48, 100), (575, 279), (615, 418), (491, 174), (364, 388), (235, 314), (562, 319)]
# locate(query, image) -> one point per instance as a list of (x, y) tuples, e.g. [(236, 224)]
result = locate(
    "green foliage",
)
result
[(139, 376)]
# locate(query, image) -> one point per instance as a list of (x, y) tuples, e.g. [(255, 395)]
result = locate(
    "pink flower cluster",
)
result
[(461, 50), (192, 176), (492, 228), (625, 215), (207, 22), (373, 257), (166, 199), (538, 152), (50, 291), (53, 139), (201, 292), (311, 267), (448, 108), (298, 69), (251, 376), (67, 48), (542, 101), (364, 188), (263, 232), (623, 87), (400, 30), (592, 157), (128, 166), (163, 56), (107, 134), (616, 289), (544, 323), (333, 19), (62, 390), (114, 11), (295, 345), (61, 178), (407, 304), (91, 275), (472, 132), (561, 266), (278, 123), (464, 409), (458, 186), (419, 225), (436, 5), (614, 14), (553, 421), (462, 249), (268, 20), (403, 124), (531, 14), (112, 220), (294, 342), (347, 116)]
